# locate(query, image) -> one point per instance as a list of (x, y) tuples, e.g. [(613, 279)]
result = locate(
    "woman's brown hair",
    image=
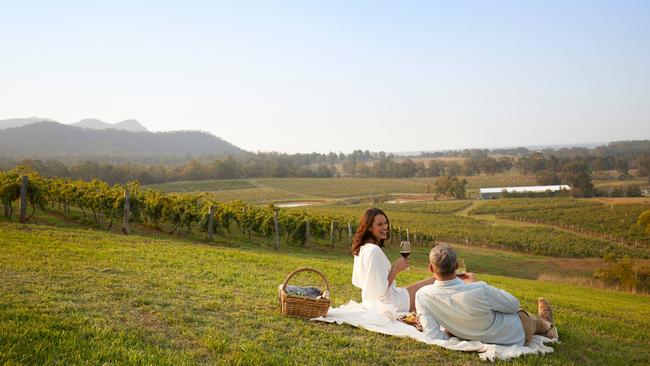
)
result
[(363, 234)]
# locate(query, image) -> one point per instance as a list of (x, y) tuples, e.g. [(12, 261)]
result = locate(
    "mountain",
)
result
[(55, 140), (92, 123), (18, 122), (96, 124)]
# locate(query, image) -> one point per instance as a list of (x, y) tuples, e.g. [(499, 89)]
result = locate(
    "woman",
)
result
[(372, 271)]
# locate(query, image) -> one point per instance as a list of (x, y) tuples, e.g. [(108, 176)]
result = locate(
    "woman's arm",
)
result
[(399, 265)]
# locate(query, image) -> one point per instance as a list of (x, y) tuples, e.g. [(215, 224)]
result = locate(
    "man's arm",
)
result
[(502, 301), (430, 326)]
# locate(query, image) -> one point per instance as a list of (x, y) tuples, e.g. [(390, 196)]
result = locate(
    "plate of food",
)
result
[(412, 320)]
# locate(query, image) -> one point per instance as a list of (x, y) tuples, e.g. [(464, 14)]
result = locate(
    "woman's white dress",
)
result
[(370, 274)]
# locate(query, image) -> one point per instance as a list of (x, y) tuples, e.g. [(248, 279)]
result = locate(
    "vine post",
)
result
[(127, 212), (350, 231), (23, 199), (332, 234), (276, 228), (210, 222), (306, 232)]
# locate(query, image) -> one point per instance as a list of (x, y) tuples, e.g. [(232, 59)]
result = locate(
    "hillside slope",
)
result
[(51, 139), (84, 296), (96, 124)]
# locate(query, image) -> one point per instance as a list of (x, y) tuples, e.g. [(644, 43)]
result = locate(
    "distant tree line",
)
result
[(573, 166)]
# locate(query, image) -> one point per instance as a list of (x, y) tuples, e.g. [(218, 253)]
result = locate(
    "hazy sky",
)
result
[(302, 76)]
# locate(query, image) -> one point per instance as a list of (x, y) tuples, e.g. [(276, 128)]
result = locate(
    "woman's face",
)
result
[(379, 228)]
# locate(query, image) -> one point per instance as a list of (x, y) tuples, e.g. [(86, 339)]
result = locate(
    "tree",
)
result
[(633, 191), (622, 167), (547, 178), (576, 173), (195, 170), (623, 273), (435, 168), (451, 186), (453, 168), (350, 166), (227, 169), (407, 169), (643, 166)]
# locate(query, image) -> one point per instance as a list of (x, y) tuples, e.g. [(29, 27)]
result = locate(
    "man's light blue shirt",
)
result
[(474, 311)]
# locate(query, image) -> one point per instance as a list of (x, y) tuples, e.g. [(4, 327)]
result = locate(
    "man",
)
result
[(474, 310)]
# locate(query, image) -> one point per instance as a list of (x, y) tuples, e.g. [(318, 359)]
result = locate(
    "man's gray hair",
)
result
[(443, 259)]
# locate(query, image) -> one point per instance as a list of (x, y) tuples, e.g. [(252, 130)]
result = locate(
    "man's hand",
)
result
[(418, 325), (468, 277)]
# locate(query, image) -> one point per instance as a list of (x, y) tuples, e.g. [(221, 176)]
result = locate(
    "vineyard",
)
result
[(102, 204), (440, 207), (159, 296), (268, 189), (612, 222), (427, 222), (345, 187), (202, 186), (432, 228), (255, 195)]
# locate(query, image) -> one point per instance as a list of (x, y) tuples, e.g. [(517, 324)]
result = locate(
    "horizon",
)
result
[(589, 145), (298, 77)]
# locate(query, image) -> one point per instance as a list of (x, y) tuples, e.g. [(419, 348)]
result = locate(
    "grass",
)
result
[(267, 190), (256, 195), (540, 239), (73, 295), (434, 207), (608, 183), (202, 186), (594, 217), (346, 187)]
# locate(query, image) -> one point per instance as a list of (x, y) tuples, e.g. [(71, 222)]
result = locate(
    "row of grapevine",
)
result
[(534, 240), (615, 222), (184, 212)]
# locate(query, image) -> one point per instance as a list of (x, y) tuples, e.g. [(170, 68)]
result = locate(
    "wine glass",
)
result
[(405, 249), (462, 269)]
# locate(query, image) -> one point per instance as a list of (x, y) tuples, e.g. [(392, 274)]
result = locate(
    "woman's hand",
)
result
[(399, 265)]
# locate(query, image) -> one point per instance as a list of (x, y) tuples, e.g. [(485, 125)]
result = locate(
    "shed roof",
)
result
[(524, 189)]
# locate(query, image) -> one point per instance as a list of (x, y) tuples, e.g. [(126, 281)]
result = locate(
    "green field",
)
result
[(256, 195), (71, 295), (541, 240), (564, 227), (265, 190), (202, 186), (252, 190), (309, 187), (74, 295), (440, 207), (614, 220)]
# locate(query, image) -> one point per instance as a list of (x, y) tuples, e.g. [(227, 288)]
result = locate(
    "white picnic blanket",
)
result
[(377, 317)]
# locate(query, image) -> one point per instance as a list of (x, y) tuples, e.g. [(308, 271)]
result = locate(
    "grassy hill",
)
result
[(73, 295)]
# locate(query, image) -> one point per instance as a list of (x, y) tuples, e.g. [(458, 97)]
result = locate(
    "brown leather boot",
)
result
[(552, 333), (544, 310)]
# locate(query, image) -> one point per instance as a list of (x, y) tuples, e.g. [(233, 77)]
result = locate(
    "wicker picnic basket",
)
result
[(307, 307)]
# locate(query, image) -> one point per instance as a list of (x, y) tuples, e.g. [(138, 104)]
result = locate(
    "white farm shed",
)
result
[(490, 193)]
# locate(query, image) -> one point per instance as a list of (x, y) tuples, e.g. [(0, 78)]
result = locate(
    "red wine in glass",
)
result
[(405, 248)]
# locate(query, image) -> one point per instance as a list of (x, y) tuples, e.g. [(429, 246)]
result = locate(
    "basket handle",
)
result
[(305, 269)]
